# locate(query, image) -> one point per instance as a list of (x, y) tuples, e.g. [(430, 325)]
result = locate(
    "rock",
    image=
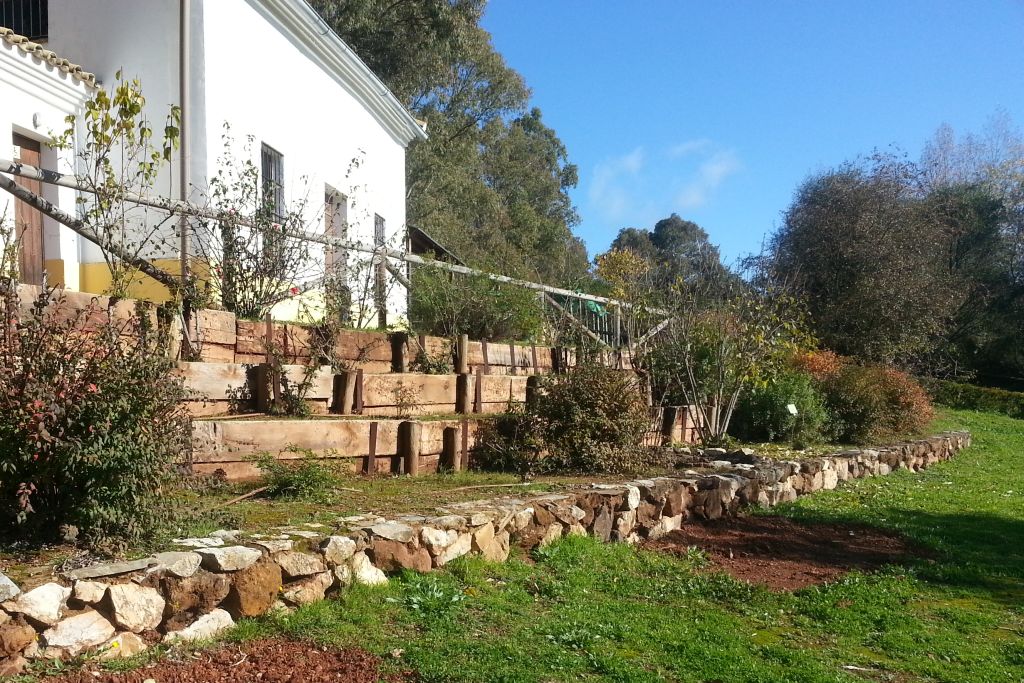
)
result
[(394, 531), (297, 565), (303, 534), (665, 525), (179, 564), (230, 559), (13, 666), (89, 592), (462, 545), (121, 646), (482, 537), (497, 550), (206, 542), (343, 575), (272, 545), (632, 497), (97, 571), (602, 526), (338, 550), (391, 556), (364, 572), (576, 530), (15, 636), (8, 589), (625, 522), (551, 534), (675, 501), (203, 628), (43, 604), (187, 598), (254, 589), (436, 540), (448, 522), (32, 650), (521, 519), (78, 633), (229, 535), (135, 608), (309, 590)]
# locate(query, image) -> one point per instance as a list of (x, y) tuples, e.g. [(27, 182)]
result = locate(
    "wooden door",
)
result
[(28, 223)]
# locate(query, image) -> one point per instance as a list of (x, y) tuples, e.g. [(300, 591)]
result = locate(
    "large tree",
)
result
[(897, 268), (675, 249), (492, 181)]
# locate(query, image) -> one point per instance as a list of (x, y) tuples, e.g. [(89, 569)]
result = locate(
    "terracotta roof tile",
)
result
[(51, 58)]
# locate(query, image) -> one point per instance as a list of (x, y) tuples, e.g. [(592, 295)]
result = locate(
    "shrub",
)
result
[(970, 397), (448, 306), (821, 365), (592, 419), (91, 422), (305, 477), (511, 442), (874, 403), (763, 413), (589, 420)]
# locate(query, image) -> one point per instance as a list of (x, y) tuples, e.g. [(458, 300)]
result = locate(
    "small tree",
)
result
[(725, 336), (121, 156)]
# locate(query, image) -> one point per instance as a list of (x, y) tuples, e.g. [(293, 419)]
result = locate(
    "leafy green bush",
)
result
[(305, 477), (449, 305), (592, 419), (872, 403), (91, 422), (763, 413), (970, 397), (589, 420)]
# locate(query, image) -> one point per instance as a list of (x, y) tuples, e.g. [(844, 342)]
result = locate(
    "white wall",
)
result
[(137, 37), (268, 87), (246, 70), (35, 98)]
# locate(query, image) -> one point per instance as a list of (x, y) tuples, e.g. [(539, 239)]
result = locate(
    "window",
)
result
[(380, 292), (336, 225), (378, 231), (272, 163), (29, 18)]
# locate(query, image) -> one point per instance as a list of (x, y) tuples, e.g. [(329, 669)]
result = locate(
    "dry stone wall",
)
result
[(199, 589)]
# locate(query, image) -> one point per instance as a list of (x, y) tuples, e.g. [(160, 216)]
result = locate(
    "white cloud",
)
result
[(696, 146), (711, 173), (610, 188)]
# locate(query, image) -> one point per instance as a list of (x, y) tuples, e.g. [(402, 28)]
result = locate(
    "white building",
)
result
[(322, 124), (37, 91)]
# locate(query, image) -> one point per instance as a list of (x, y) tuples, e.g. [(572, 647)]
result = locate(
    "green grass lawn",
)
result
[(583, 610)]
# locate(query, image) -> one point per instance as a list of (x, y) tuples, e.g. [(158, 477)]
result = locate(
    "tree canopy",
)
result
[(492, 181)]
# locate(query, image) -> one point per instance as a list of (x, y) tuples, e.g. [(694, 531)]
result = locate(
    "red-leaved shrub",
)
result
[(875, 404)]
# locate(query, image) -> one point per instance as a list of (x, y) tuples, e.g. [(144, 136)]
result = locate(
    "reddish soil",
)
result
[(783, 554), (267, 661)]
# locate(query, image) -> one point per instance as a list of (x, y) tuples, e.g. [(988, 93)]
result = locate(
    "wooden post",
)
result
[(465, 444), (409, 446), (450, 459), (399, 351), (260, 378), (533, 353), (478, 391), (487, 361), (344, 392), (462, 355), (669, 415), (464, 393), (357, 396), (512, 356), (371, 457), (532, 388)]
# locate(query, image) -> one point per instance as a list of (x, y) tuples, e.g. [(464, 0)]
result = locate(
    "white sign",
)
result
[(792, 409)]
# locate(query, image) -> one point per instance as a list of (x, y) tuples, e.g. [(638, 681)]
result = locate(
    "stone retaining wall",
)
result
[(198, 590)]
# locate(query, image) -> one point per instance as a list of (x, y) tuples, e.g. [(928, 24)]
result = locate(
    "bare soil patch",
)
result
[(275, 660), (783, 554)]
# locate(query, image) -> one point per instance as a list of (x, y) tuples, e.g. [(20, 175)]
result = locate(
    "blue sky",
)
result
[(717, 110)]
